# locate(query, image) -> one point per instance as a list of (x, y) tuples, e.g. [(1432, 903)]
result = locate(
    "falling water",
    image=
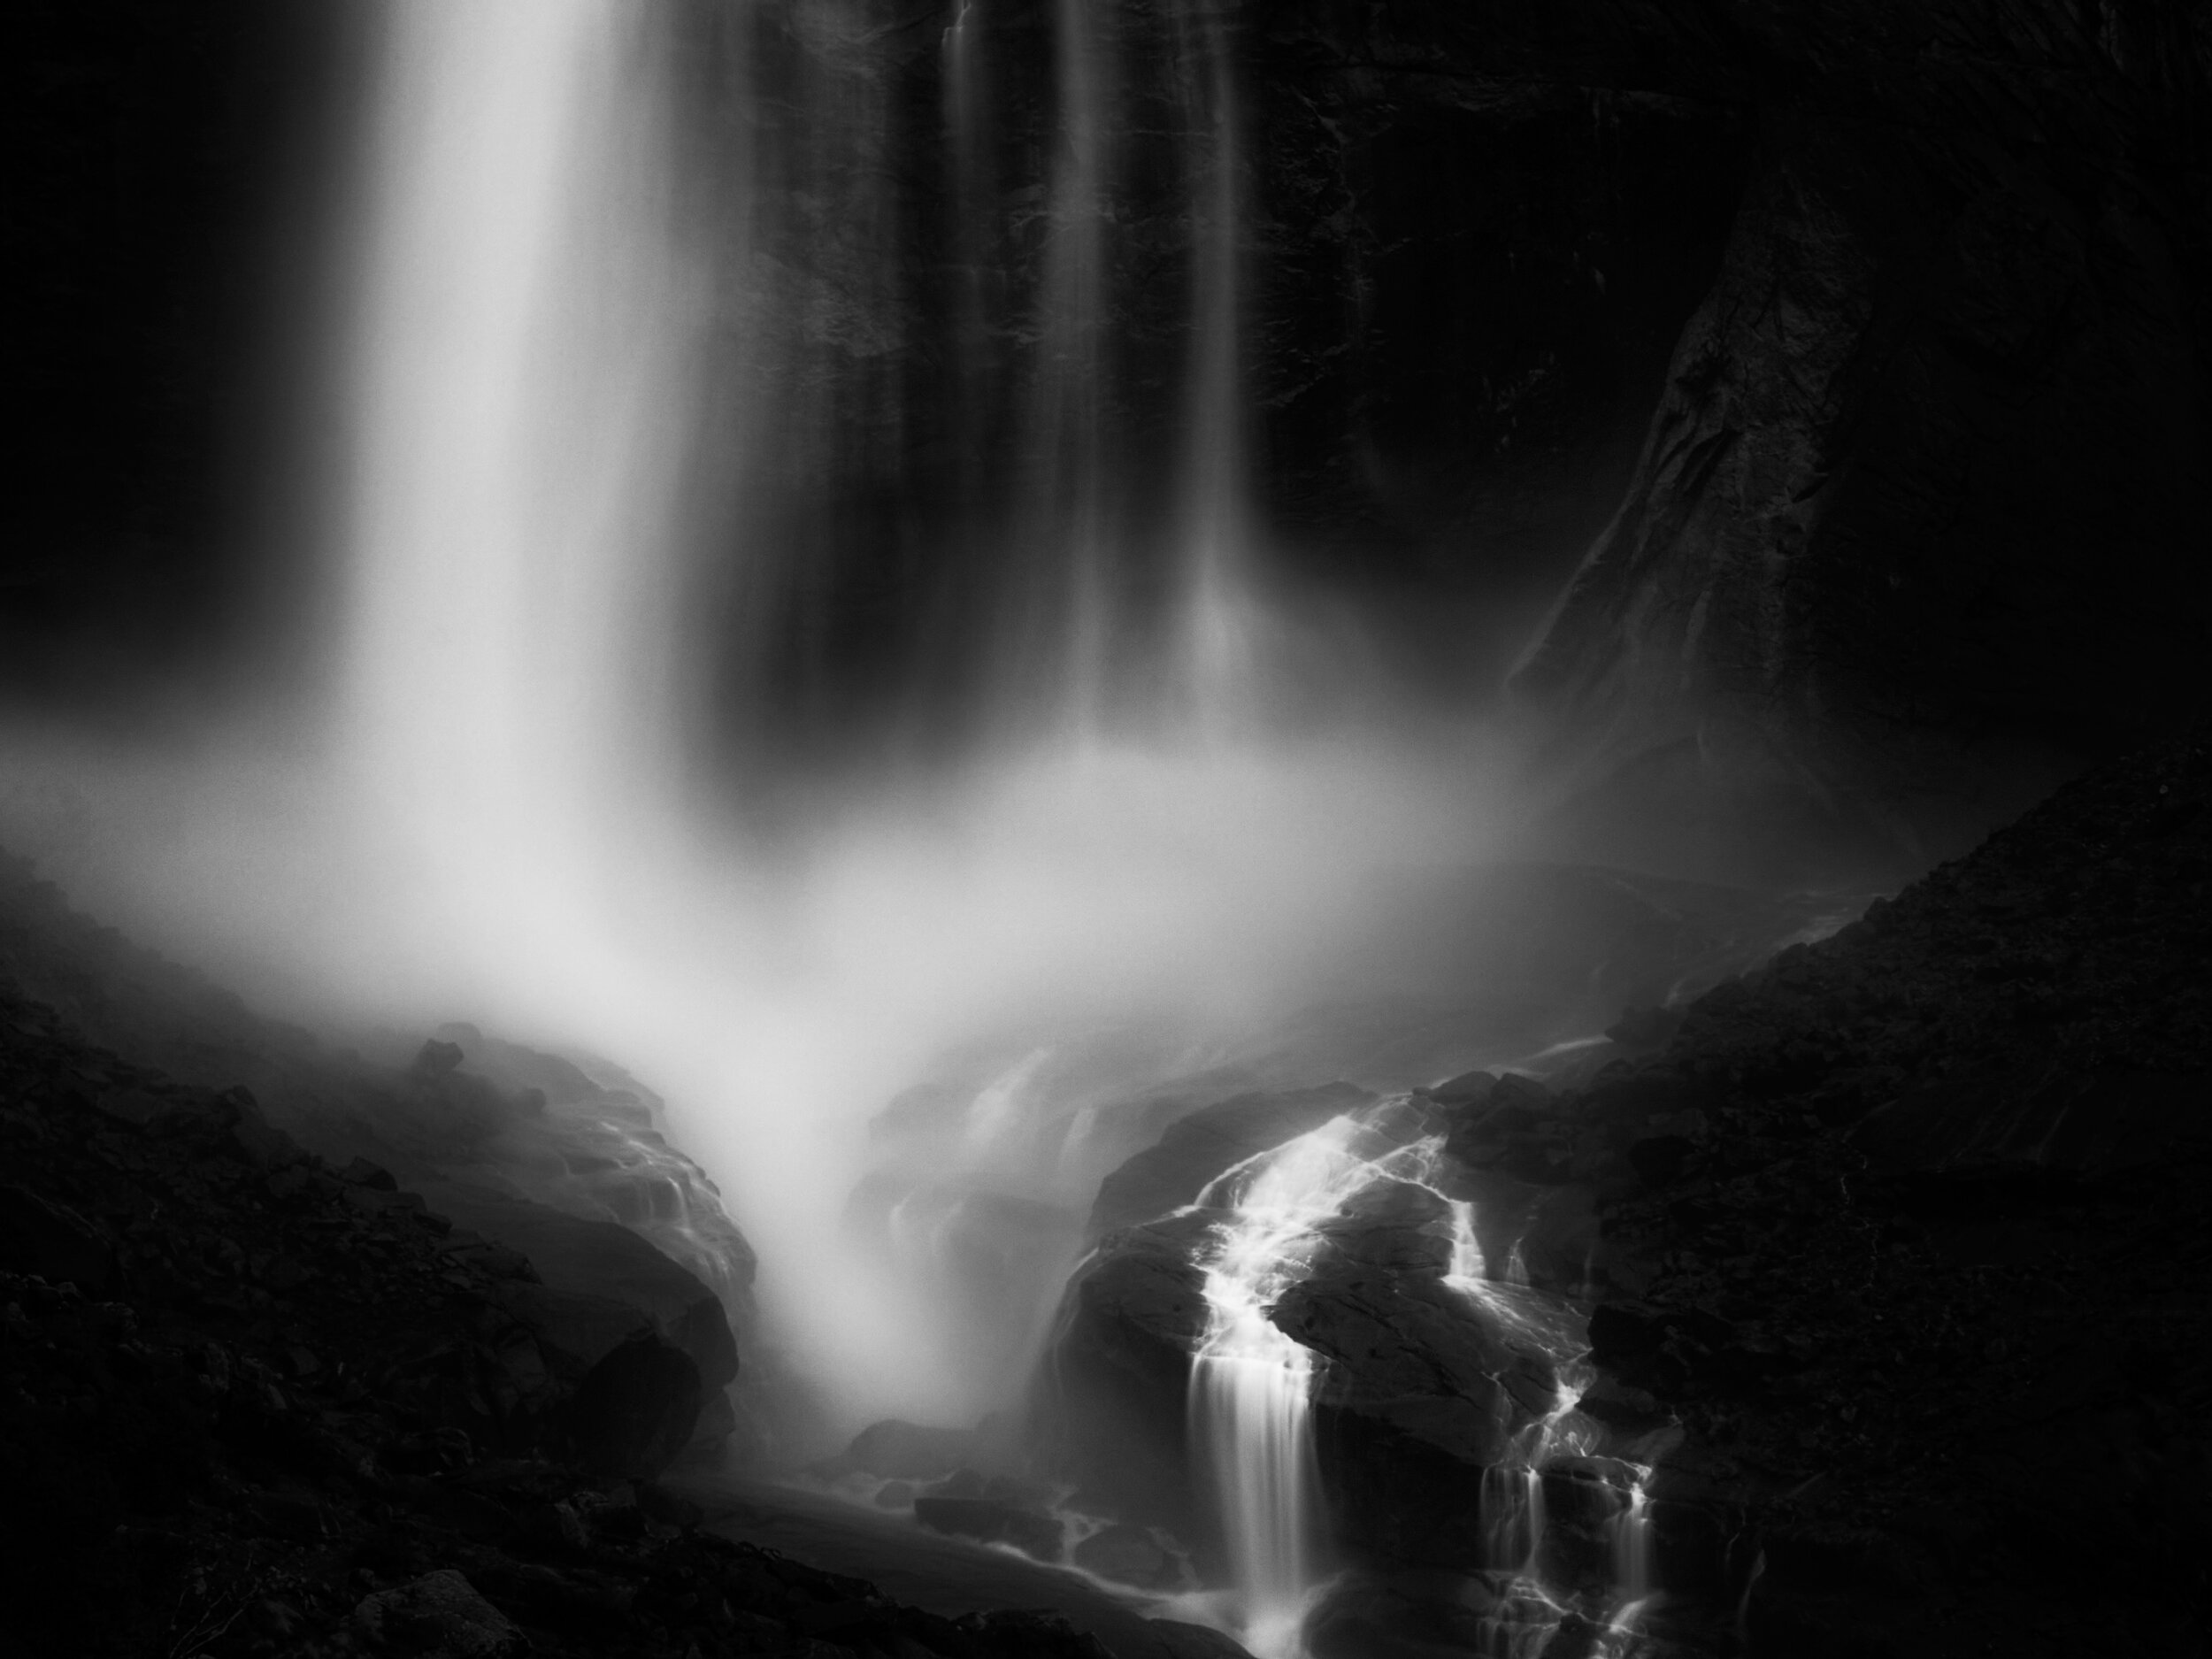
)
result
[(1216, 624), (518, 395), (1251, 1383)]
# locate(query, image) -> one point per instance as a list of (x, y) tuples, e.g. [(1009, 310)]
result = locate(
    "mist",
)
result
[(514, 797)]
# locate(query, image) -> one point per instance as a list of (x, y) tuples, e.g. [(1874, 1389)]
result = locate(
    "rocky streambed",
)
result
[(1888, 1256)]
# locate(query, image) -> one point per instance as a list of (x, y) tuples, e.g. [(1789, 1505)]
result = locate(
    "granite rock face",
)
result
[(1957, 340), (1907, 1230)]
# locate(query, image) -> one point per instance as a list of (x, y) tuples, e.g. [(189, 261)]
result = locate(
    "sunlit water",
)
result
[(1251, 1388)]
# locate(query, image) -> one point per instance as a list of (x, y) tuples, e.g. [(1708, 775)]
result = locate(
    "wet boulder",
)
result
[(1421, 1392), (1396, 1225), (1195, 1149), (1111, 1396)]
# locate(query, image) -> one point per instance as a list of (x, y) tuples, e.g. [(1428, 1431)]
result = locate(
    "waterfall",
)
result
[(1249, 1382), (1250, 1404), (518, 400), (794, 594), (1217, 625), (1539, 1591)]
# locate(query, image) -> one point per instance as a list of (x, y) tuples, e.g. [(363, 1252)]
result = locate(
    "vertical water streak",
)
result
[(519, 398), (1065, 623), (1252, 1385), (1250, 1382), (1632, 1553), (968, 195), (1213, 647)]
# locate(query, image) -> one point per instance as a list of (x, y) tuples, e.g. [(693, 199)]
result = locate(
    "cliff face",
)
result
[(1911, 513)]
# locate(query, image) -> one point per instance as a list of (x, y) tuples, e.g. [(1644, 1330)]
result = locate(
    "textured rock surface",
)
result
[(1111, 1395), (488, 1127), (1958, 339), (1922, 1267)]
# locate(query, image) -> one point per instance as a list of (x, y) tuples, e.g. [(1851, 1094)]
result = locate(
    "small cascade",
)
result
[(1250, 1383), (1566, 1527)]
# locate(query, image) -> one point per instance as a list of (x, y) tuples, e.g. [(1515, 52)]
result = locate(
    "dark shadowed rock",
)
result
[(1469, 1089), (1194, 1641), (598, 1262), (53, 1241), (637, 1407), (436, 1059), (1109, 1400), (439, 1614), (1129, 1555), (645, 1344), (909, 1451)]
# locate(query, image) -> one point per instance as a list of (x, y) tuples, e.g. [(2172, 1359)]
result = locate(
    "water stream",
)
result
[(1250, 1405)]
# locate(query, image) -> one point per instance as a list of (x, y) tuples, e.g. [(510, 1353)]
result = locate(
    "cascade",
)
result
[(1251, 1384)]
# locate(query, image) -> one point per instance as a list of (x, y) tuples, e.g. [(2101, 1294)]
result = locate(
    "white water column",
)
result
[(520, 400)]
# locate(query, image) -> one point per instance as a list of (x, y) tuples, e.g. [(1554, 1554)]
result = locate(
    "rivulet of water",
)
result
[(1251, 1386)]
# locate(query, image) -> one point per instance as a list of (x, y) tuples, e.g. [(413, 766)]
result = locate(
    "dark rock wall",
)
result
[(1908, 1227), (1912, 521)]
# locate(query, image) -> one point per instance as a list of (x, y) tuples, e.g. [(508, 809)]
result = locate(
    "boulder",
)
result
[(606, 1263), (1195, 1149), (899, 1450), (1110, 1399), (1130, 1555), (1423, 1389), (637, 1407), (439, 1614), (645, 1344)]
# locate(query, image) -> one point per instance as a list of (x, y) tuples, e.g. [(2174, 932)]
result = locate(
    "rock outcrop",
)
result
[(1957, 338)]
